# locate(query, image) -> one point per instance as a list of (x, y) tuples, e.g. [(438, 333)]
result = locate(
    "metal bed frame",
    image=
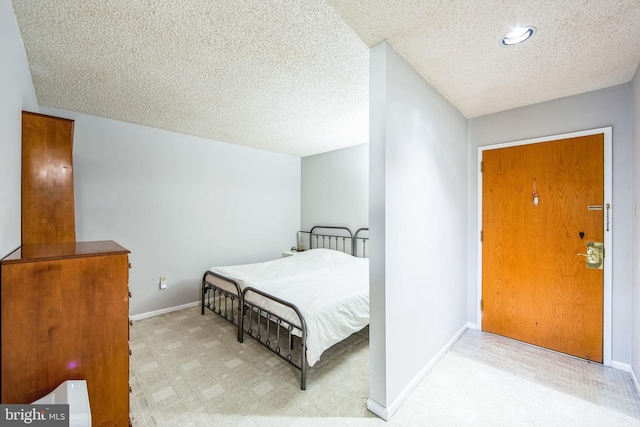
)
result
[(266, 327)]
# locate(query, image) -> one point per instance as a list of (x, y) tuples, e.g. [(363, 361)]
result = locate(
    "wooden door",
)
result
[(535, 286)]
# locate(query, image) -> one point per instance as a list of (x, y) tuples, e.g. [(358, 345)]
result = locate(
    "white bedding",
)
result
[(330, 288)]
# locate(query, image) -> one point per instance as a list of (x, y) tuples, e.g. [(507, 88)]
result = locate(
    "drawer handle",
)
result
[(129, 294), (130, 322)]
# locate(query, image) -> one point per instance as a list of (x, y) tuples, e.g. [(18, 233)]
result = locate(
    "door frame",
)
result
[(608, 235)]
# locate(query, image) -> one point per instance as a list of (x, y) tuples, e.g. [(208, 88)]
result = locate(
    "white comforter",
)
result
[(330, 288)]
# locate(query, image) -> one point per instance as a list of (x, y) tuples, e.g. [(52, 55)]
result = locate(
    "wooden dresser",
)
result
[(65, 316)]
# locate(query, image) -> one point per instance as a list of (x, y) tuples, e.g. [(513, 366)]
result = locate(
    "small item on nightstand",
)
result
[(300, 249)]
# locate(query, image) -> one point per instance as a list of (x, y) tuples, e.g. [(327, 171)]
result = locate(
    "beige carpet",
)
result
[(186, 365), (188, 370)]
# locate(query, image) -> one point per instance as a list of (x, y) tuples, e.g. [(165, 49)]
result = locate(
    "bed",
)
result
[(297, 306)]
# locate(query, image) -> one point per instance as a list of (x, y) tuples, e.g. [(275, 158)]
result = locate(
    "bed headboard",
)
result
[(336, 238), (361, 242)]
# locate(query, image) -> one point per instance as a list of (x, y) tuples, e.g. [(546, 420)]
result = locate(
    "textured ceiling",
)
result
[(579, 46), (291, 76), (287, 76)]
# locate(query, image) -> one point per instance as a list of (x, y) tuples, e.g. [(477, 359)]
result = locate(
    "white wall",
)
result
[(181, 204), (16, 94), (335, 188), (418, 214), (602, 108), (635, 307)]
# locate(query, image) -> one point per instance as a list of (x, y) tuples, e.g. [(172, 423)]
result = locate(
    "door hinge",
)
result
[(481, 307), (481, 167), (481, 235)]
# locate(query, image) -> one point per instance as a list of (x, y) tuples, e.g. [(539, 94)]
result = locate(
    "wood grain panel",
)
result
[(47, 180), (67, 319), (534, 286)]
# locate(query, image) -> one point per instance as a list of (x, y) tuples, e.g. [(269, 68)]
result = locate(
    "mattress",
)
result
[(330, 288)]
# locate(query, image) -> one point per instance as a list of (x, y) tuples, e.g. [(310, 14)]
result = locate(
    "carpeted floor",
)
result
[(189, 370)]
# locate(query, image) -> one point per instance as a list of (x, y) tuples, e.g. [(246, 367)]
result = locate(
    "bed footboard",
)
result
[(223, 302), (276, 333)]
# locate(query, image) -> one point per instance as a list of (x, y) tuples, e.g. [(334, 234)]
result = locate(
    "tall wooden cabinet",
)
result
[(64, 304), (65, 316), (48, 214)]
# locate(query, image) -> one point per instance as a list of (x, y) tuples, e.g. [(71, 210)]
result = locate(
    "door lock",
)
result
[(594, 255)]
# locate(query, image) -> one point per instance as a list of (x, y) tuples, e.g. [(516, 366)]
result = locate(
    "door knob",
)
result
[(591, 256), (594, 255)]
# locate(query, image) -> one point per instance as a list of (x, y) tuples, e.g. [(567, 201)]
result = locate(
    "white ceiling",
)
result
[(579, 46), (291, 76)]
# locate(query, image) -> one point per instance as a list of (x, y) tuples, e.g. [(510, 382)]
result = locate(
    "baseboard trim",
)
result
[(378, 409), (472, 326), (621, 366), (387, 412), (634, 377), (163, 311)]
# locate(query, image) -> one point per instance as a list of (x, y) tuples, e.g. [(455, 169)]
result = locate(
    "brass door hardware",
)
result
[(594, 255)]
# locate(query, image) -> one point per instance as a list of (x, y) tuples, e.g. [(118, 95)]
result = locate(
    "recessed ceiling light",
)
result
[(518, 35)]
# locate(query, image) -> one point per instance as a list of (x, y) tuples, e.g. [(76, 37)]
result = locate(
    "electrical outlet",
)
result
[(163, 282)]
